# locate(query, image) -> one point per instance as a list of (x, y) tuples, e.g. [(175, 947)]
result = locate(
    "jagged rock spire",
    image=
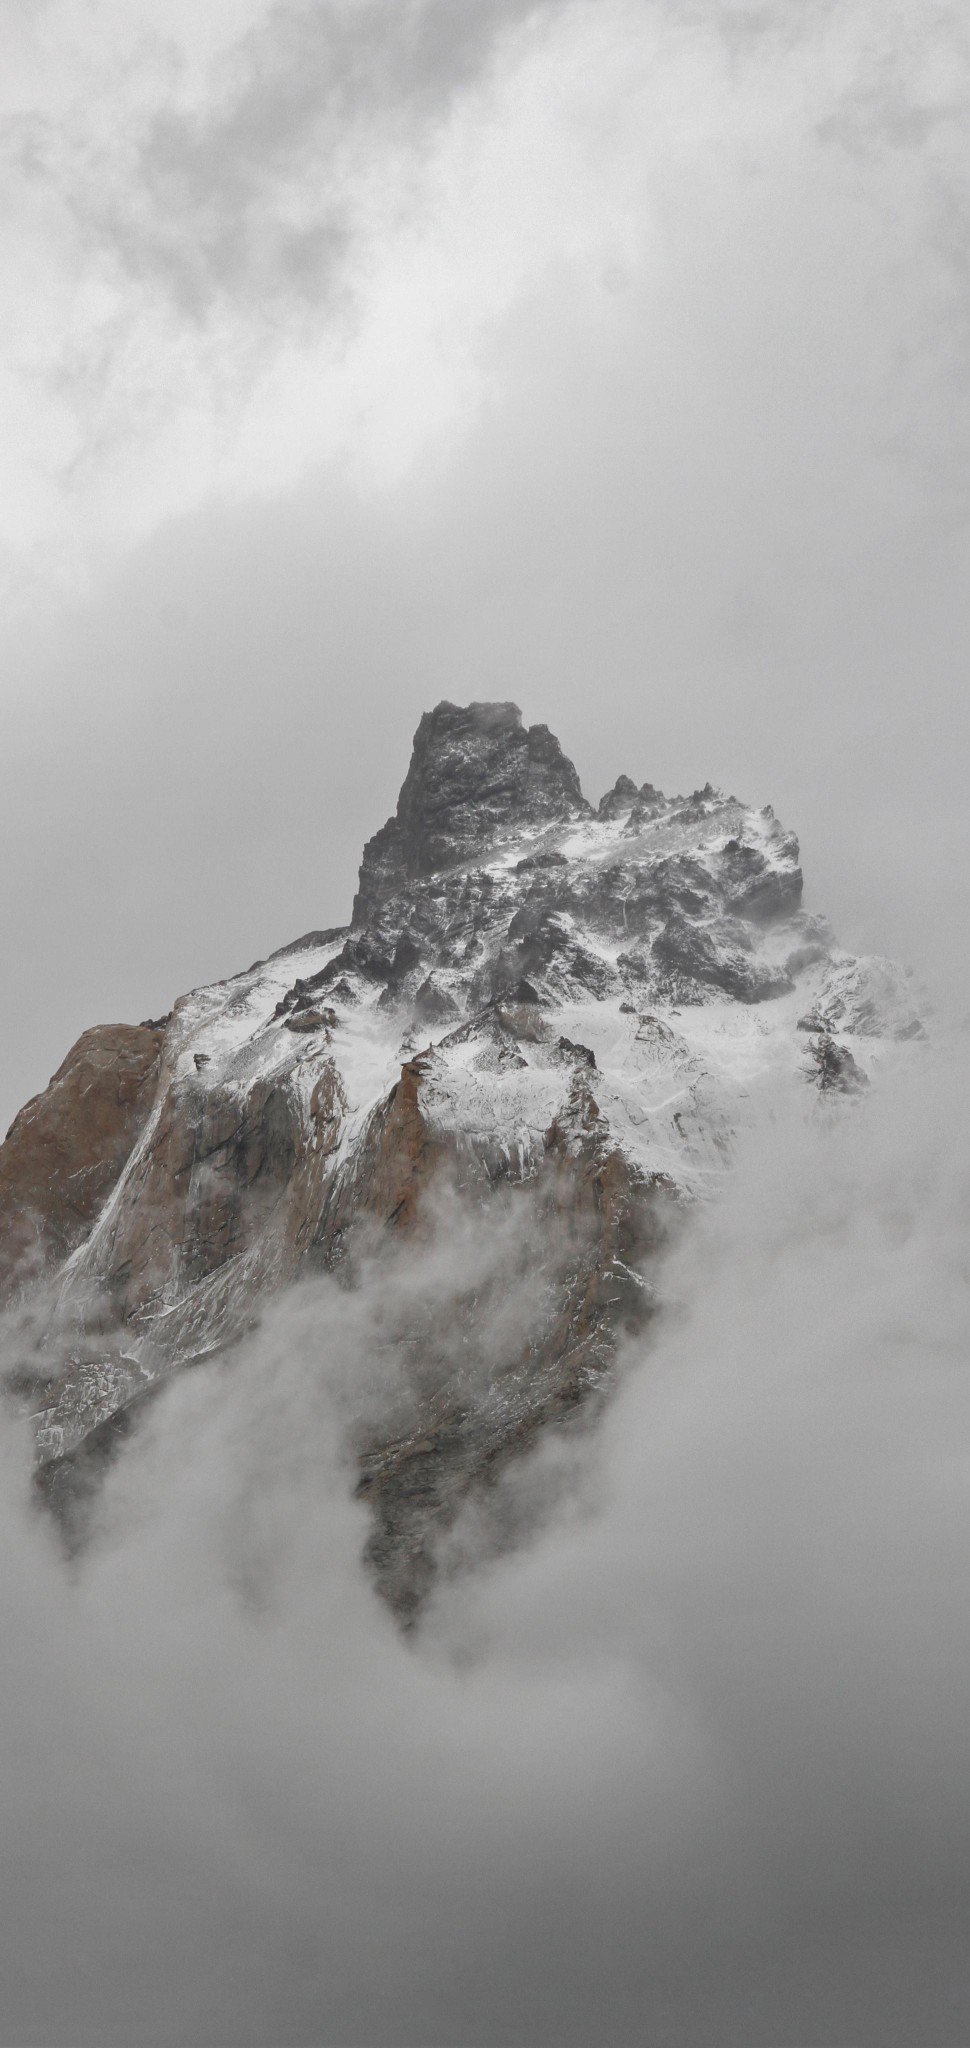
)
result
[(476, 773)]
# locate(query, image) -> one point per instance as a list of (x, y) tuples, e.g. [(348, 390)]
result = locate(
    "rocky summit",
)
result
[(485, 1105)]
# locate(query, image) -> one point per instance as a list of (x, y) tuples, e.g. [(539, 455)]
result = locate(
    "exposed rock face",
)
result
[(586, 1226), (836, 1068), (543, 1022), (65, 1151), (477, 774)]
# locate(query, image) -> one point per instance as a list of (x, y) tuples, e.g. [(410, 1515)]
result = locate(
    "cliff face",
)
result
[(476, 774), (65, 1151), (542, 1016)]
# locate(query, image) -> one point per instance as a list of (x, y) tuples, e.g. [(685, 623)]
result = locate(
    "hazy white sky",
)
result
[(608, 355)]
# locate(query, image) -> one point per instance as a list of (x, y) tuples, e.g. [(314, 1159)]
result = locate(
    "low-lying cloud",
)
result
[(689, 1767)]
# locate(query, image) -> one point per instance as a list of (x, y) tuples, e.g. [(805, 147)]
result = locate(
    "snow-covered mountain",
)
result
[(532, 1044)]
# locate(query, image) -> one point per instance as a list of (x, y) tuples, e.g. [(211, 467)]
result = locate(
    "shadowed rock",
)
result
[(476, 773)]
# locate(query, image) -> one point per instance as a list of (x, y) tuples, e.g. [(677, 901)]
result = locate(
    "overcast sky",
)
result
[(611, 356)]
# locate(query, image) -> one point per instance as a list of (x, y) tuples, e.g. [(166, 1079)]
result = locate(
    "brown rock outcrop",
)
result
[(66, 1149)]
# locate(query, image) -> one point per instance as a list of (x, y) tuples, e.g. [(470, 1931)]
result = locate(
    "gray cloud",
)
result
[(200, 202), (248, 199)]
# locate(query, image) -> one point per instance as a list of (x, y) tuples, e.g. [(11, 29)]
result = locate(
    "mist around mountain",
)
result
[(483, 1509)]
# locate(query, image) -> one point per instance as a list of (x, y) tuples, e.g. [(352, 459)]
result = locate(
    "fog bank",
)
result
[(690, 1767)]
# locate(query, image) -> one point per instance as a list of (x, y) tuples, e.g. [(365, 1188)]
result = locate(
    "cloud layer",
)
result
[(294, 235)]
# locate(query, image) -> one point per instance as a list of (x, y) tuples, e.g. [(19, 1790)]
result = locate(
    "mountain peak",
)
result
[(476, 774), (570, 1011)]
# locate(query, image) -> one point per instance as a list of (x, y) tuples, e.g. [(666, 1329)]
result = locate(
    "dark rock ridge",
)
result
[(476, 775), (445, 920), (835, 1067), (534, 1043)]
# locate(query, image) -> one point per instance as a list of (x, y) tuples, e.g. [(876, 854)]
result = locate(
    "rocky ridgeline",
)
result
[(536, 1037), (496, 875)]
